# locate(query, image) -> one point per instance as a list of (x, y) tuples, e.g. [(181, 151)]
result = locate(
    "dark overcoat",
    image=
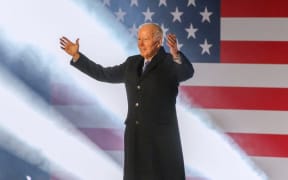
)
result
[(152, 141)]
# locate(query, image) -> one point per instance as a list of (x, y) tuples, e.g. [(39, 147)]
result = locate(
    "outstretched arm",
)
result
[(113, 74)]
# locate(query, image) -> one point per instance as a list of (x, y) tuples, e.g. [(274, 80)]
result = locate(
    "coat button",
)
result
[(137, 104), (138, 87), (137, 122)]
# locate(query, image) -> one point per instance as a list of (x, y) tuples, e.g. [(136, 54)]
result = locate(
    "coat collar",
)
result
[(160, 56)]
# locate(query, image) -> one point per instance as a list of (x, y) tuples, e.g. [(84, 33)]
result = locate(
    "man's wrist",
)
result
[(177, 58), (75, 57)]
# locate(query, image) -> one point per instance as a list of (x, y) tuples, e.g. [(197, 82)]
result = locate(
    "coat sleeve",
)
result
[(185, 70), (114, 74)]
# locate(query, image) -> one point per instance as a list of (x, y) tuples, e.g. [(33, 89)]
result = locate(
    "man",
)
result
[(152, 141)]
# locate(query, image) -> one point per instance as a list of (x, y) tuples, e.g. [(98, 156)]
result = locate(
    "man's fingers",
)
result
[(172, 43), (171, 40), (63, 43), (171, 37), (64, 39)]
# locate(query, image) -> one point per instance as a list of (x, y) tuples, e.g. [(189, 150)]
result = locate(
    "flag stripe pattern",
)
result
[(238, 49), (254, 52), (252, 109), (238, 97), (253, 8), (269, 145)]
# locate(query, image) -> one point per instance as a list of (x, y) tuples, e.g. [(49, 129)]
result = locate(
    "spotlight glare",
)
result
[(32, 131), (31, 22)]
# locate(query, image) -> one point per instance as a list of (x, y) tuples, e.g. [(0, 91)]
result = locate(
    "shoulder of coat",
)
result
[(135, 58)]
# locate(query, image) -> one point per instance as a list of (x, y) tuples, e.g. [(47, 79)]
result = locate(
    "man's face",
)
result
[(147, 44)]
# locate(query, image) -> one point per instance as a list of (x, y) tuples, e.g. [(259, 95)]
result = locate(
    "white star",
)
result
[(179, 45), (133, 30), (120, 15), (206, 15), (191, 2), (148, 15), (165, 30), (162, 2), (205, 47), (134, 2), (191, 31), (176, 15), (106, 2)]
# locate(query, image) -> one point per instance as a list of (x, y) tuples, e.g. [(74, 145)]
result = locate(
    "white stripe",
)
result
[(250, 121), (118, 156), (245, 75), (275, 168), (245, 121), (257, 29)]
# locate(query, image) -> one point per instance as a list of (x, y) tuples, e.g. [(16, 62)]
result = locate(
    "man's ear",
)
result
[(160, 42)]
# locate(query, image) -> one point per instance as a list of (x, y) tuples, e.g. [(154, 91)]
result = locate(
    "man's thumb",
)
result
[(77, 41)]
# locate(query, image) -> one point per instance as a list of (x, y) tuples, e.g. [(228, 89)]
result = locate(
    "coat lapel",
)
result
[(154, 62), (138, 67)]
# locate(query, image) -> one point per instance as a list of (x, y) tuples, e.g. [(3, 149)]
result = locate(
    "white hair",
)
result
[(157, 33)]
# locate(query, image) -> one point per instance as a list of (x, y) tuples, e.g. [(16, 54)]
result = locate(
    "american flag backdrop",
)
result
[(239, 50), (197, 26)]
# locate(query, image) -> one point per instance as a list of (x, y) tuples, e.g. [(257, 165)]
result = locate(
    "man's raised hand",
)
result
[(172, 44), (69, 47)]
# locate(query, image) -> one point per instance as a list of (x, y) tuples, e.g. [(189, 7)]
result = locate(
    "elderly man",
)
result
[(152, 141)]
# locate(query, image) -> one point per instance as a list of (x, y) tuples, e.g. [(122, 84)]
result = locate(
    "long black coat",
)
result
[(152, 141)]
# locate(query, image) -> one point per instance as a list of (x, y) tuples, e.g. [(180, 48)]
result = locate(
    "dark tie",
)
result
[(145, 65)]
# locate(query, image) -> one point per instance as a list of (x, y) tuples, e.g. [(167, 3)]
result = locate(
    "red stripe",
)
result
[(66, 94), (254, 8), (269, 145), (106, 138), (237, 97), (254, 52)]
